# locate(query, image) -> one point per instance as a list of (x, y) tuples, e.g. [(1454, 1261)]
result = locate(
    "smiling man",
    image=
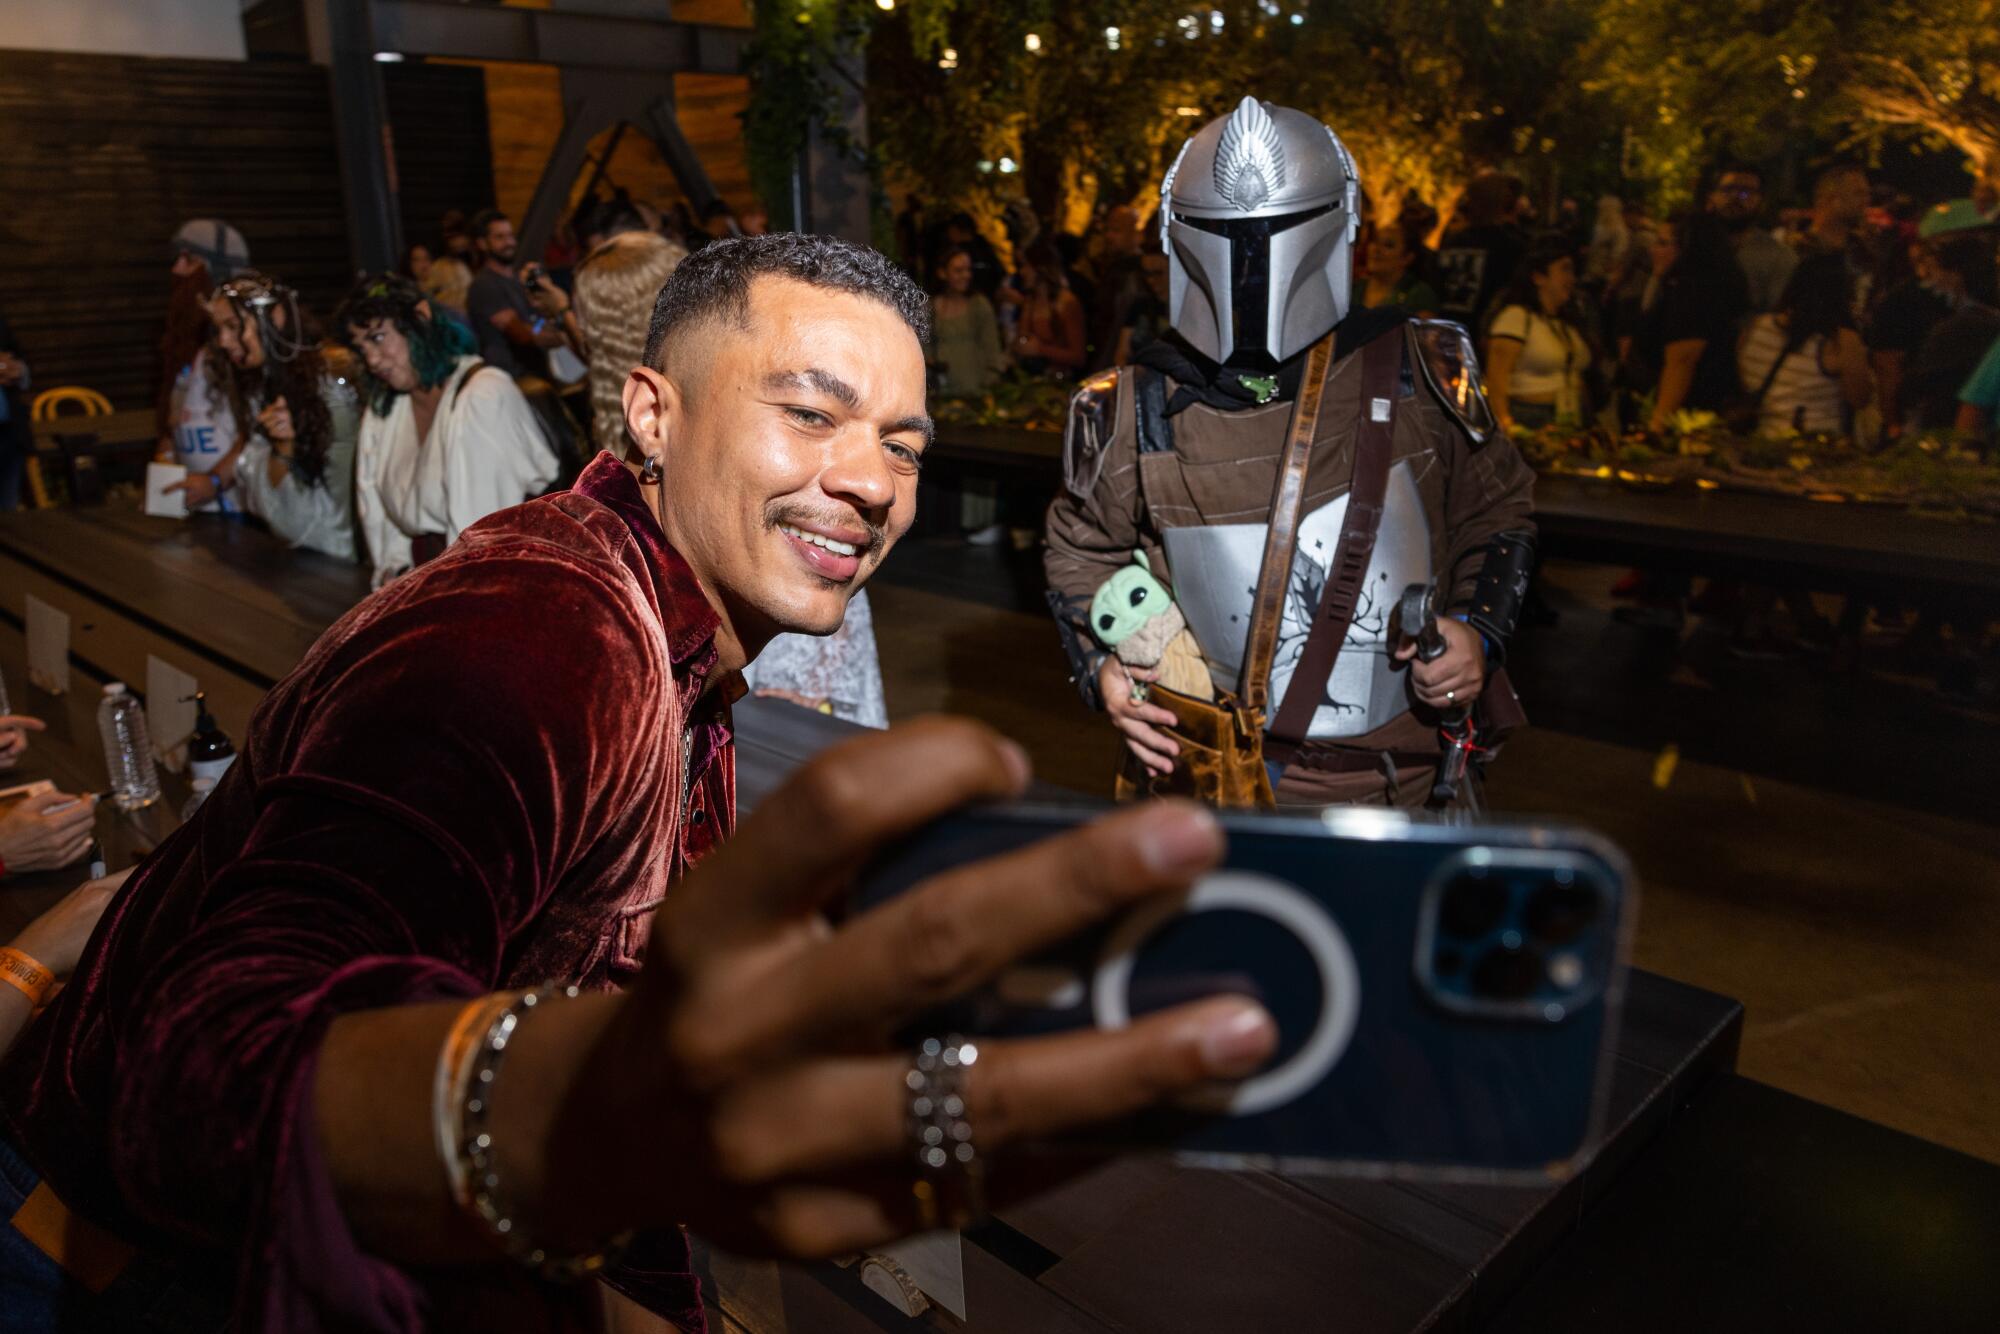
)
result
[(275, 1084)]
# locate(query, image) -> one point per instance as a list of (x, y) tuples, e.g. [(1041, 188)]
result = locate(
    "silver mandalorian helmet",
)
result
[(1258, 218)]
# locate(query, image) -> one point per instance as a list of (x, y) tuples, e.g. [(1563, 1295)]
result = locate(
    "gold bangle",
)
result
[(26, 975)]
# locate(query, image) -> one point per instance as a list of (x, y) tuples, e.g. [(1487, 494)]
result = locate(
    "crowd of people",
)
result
[(1864, 315)]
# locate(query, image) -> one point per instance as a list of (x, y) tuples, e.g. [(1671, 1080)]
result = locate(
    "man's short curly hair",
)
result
[(715, 280)]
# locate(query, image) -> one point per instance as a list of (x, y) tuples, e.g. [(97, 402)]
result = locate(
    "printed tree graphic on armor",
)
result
[(1312, 566)]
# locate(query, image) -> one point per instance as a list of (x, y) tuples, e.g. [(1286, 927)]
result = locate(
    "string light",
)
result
[(885, 5), (949, 60), (1033, 41), (1111, 38), (1008, 165)]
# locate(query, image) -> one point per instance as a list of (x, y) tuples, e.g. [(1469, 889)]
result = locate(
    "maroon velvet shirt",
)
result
[(473, 781)]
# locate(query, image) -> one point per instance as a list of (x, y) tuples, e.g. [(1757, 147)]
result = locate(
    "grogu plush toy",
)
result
[(1134, 617)]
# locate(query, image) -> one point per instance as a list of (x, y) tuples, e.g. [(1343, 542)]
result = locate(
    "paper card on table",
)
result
[(935, 1262), (160, 476), (48, 646), (169, 720)]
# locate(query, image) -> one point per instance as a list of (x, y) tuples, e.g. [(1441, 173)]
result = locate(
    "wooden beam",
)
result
[(553, 37)]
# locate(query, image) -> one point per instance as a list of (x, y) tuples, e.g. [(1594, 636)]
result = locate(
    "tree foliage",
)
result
[(1088, 99), (1701, 79)]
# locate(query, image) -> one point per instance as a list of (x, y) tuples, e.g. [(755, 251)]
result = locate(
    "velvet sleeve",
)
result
[(437, 775)]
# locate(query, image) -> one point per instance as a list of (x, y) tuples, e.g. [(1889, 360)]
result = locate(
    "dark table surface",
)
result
[(224, 588)]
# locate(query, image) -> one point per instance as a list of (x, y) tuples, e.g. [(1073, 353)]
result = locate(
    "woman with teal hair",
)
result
[(446, 440)]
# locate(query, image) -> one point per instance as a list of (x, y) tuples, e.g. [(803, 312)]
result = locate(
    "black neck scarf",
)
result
[(1199, 380)]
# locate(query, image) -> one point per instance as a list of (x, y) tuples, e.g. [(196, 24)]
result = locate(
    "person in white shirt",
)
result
[(1804, 363), (445, 439), (198, 427), (295, 470), (1535, 358), (203, 430)]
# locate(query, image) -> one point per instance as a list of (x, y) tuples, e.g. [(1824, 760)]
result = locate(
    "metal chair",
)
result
[(48, 406)]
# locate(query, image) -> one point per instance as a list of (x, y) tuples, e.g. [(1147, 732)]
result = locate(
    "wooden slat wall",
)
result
[(107, 155)]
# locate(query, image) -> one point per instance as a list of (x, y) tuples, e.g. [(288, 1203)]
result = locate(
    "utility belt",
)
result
[(1328, 757)]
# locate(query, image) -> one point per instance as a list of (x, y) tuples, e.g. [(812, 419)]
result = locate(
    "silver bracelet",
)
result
[(483, 1189)]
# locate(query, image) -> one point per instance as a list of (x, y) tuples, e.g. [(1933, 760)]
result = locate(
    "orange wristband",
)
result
[(25, 975)]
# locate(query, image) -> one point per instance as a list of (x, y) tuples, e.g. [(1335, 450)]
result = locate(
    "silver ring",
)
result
[(1451, 696), (940, 1134)]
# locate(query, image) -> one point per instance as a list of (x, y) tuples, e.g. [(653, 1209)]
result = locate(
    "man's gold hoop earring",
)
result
[(649, 472)]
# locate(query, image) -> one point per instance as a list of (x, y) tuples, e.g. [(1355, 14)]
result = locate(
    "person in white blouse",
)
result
[(445, 439), (1535, 357), (295, 466)]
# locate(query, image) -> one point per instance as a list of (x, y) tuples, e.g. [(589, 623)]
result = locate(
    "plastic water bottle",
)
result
[(128, 751), (202, 787)]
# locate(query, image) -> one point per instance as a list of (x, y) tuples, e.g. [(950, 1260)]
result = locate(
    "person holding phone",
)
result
[(322, 1064)]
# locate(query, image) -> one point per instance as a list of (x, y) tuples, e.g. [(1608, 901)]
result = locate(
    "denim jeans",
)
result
[(37, 1297)]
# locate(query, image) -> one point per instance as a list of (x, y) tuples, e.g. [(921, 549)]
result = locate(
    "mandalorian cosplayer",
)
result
[(1180, 457)]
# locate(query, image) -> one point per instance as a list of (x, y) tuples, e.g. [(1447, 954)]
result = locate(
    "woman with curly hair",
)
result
[(296, 467), (616, 285), (446, 439)]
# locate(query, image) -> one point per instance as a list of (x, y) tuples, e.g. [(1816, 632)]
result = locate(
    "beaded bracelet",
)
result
[(473, 1163), (26, 975)]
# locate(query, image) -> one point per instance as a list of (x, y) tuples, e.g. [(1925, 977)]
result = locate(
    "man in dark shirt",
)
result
[(1929, 333), (515, 327), (1479, 259)]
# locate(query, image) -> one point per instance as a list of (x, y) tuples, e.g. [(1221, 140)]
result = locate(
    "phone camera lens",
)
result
[(1558, 913), (1507, 973), (1472, 906)]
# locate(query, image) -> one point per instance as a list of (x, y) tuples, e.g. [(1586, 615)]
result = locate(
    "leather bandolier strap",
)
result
[(1276, 572), (1381, 369)]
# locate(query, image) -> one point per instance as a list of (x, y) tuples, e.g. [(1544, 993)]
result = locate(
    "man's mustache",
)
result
[(800, 517)]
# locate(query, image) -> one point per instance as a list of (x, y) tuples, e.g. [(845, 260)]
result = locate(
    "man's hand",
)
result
[(1455, 677), (56, 939), (14, 729), (753, 1072), (35, 837), (546, 296), (275, 421), (200, 488), (1143, 724)]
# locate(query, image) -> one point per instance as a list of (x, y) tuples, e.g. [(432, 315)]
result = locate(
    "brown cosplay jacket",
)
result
[(1223, 467)]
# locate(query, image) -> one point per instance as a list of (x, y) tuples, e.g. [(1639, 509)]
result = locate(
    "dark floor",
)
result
[(1818, 843)]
